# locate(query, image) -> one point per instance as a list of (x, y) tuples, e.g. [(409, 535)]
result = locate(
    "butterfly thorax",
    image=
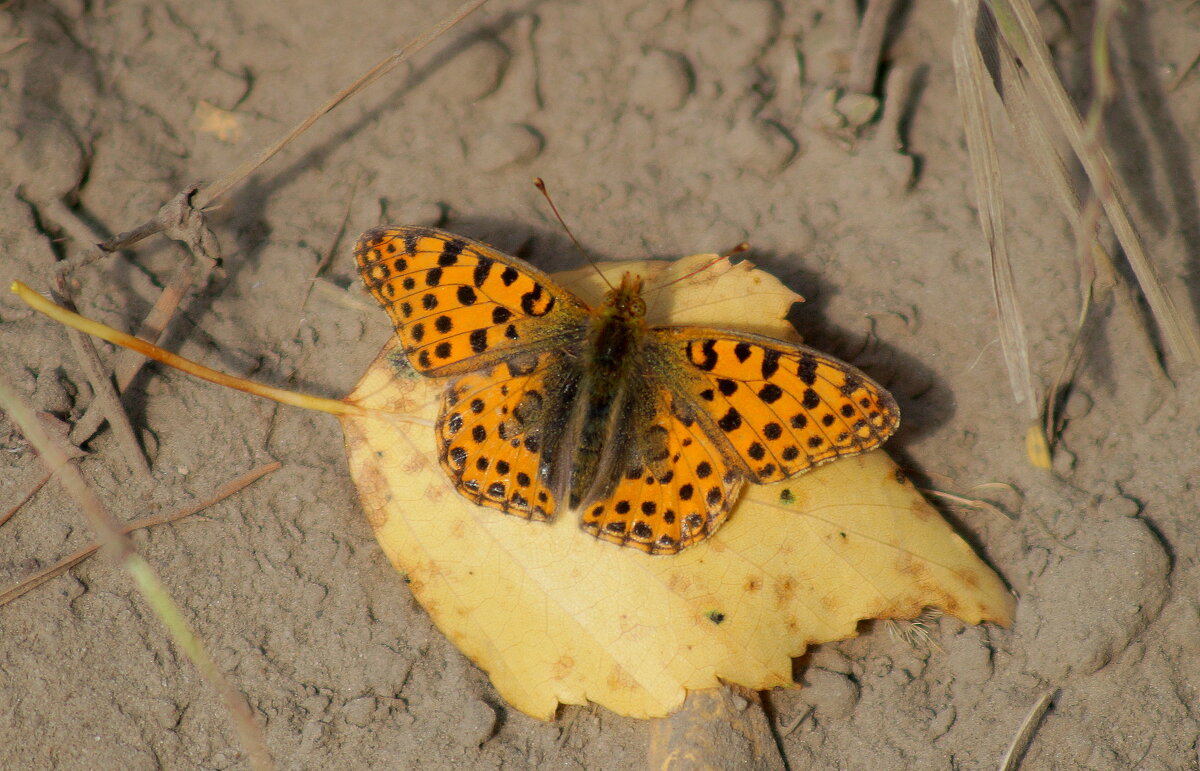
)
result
[(615, 332), (618, 329)]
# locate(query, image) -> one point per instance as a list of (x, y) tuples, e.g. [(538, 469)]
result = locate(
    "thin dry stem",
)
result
[(868, 47), (1098, 277), (1184, 74), (203, 244), (970, 503), (210, 194), (30, 491), (1018, 24), (105, 332), (109, 402), (790, 728), (58, 429), (1020, 742), (222, 186), (1087, 222), (65, 564), (129, 363), (110, 536), (970, 77)]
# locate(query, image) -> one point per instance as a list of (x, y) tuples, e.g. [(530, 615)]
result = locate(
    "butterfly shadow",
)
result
[(926, 400)]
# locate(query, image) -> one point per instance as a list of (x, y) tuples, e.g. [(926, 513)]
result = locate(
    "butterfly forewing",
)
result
[(782, 408), (496, 326), (458, 304)]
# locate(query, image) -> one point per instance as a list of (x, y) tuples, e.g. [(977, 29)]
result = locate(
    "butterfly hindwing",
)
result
[(781, 408), (458, 304), (488, 431), (677, 490)]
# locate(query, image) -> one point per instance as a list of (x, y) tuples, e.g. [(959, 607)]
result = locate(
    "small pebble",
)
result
[(663, 81), (857, 109), (942, 722), (1087, 607), (475, 71), (51, 395), (513, 144), (833, 695), (166, 714), (52, 159), (311, 736), (1118, 506), (477, 723), (359, 712), (1079, 404), (1063, 461), (761, 147)]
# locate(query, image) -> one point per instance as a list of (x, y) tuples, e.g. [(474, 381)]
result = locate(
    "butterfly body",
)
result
[(601, 401), (647, 432)]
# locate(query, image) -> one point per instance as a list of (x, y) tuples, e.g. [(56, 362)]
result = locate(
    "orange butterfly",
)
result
[(648, 431)]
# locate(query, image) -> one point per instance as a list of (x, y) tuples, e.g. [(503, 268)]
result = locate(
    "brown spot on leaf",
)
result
[(620, 680), (785, 591), (563, 667)]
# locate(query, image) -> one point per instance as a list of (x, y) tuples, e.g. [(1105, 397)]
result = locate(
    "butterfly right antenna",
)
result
[(743, 246), (541, 186)]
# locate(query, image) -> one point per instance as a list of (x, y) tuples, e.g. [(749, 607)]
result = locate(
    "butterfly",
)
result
[(648, 433)]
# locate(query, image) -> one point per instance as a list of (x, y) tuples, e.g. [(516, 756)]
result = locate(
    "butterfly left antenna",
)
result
[(541, 186)]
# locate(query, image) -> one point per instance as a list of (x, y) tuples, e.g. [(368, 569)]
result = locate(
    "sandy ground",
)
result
[(678, 128)]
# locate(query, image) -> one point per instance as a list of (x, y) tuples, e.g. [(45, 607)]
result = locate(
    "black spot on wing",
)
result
[(482, 269), (703, 355), (451, 252), (770, 363), (806, 370)]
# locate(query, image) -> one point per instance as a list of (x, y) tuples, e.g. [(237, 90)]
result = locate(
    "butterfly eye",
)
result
[(637, 307)]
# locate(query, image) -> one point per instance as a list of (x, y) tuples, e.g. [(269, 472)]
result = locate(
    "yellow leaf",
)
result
[(554, 615), (226, 126), (1037, 449)]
